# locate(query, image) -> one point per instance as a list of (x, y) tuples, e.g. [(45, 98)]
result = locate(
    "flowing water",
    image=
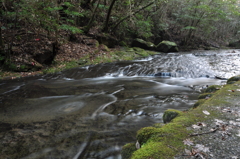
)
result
[(91, 112)]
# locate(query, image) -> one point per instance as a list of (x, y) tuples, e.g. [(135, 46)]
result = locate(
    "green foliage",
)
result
[(188, 28), (70, 28)]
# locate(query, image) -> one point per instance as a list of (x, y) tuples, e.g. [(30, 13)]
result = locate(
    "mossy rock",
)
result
[(141, 52), (143, 44), (128, 150), (103, 47), (144, 134), (205, 95), (212, 89), (199, 102), (154, 150), (233, 79), (167, 46), (82, 61), (170, 114)]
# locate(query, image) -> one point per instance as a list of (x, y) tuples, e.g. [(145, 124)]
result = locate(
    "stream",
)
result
[(91, 112)]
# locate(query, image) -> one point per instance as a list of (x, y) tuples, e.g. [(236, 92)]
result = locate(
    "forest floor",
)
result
[(68, 56)]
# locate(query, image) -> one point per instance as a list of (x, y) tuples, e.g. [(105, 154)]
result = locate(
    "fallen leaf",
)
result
[(206, 112), (188, 142), (202, 148), (196, 126), (219, 122), (188, 152)]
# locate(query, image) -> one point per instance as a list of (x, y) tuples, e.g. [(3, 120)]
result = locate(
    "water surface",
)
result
[(91, 112)]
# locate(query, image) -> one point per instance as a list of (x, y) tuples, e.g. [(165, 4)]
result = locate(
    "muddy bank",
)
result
[(209, 130)]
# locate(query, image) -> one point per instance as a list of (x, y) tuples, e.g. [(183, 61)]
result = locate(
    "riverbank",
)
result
[(211, 129), (70, 60)]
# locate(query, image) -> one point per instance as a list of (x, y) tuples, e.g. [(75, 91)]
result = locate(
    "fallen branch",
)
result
[(197, 134)]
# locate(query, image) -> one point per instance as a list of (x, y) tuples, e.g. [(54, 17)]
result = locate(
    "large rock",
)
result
[(233, 79), (167, 46), (170, 114), (143, 44)]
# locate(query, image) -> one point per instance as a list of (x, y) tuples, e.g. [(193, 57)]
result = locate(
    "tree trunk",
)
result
[(86, 29), (105, 28), (1, 43)]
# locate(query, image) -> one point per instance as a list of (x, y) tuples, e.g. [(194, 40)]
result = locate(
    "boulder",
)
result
[(170, 114), (167, 46), (233, 79), (143, 44)]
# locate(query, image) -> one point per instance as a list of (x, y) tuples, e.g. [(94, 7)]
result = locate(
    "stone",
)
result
[(167, 46), (233, 79), (143, 44), (212, 89), (170, 114)]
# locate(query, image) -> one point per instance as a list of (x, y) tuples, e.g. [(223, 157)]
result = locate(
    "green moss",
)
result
[(162, 142), (169, 43), (199, 102), (166, 141), (146, 133), (233, 79), (156, 150), (212, 89), (120, 53), (205, 95), (170, 114), (127, 150)]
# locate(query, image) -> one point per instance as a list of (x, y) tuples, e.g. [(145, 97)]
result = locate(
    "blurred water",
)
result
[(90, 112)]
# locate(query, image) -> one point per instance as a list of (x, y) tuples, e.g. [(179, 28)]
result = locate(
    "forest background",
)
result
[(35, 34)]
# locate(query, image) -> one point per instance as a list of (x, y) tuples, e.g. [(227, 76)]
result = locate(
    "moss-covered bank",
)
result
[(121, 54), (166, 141)]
